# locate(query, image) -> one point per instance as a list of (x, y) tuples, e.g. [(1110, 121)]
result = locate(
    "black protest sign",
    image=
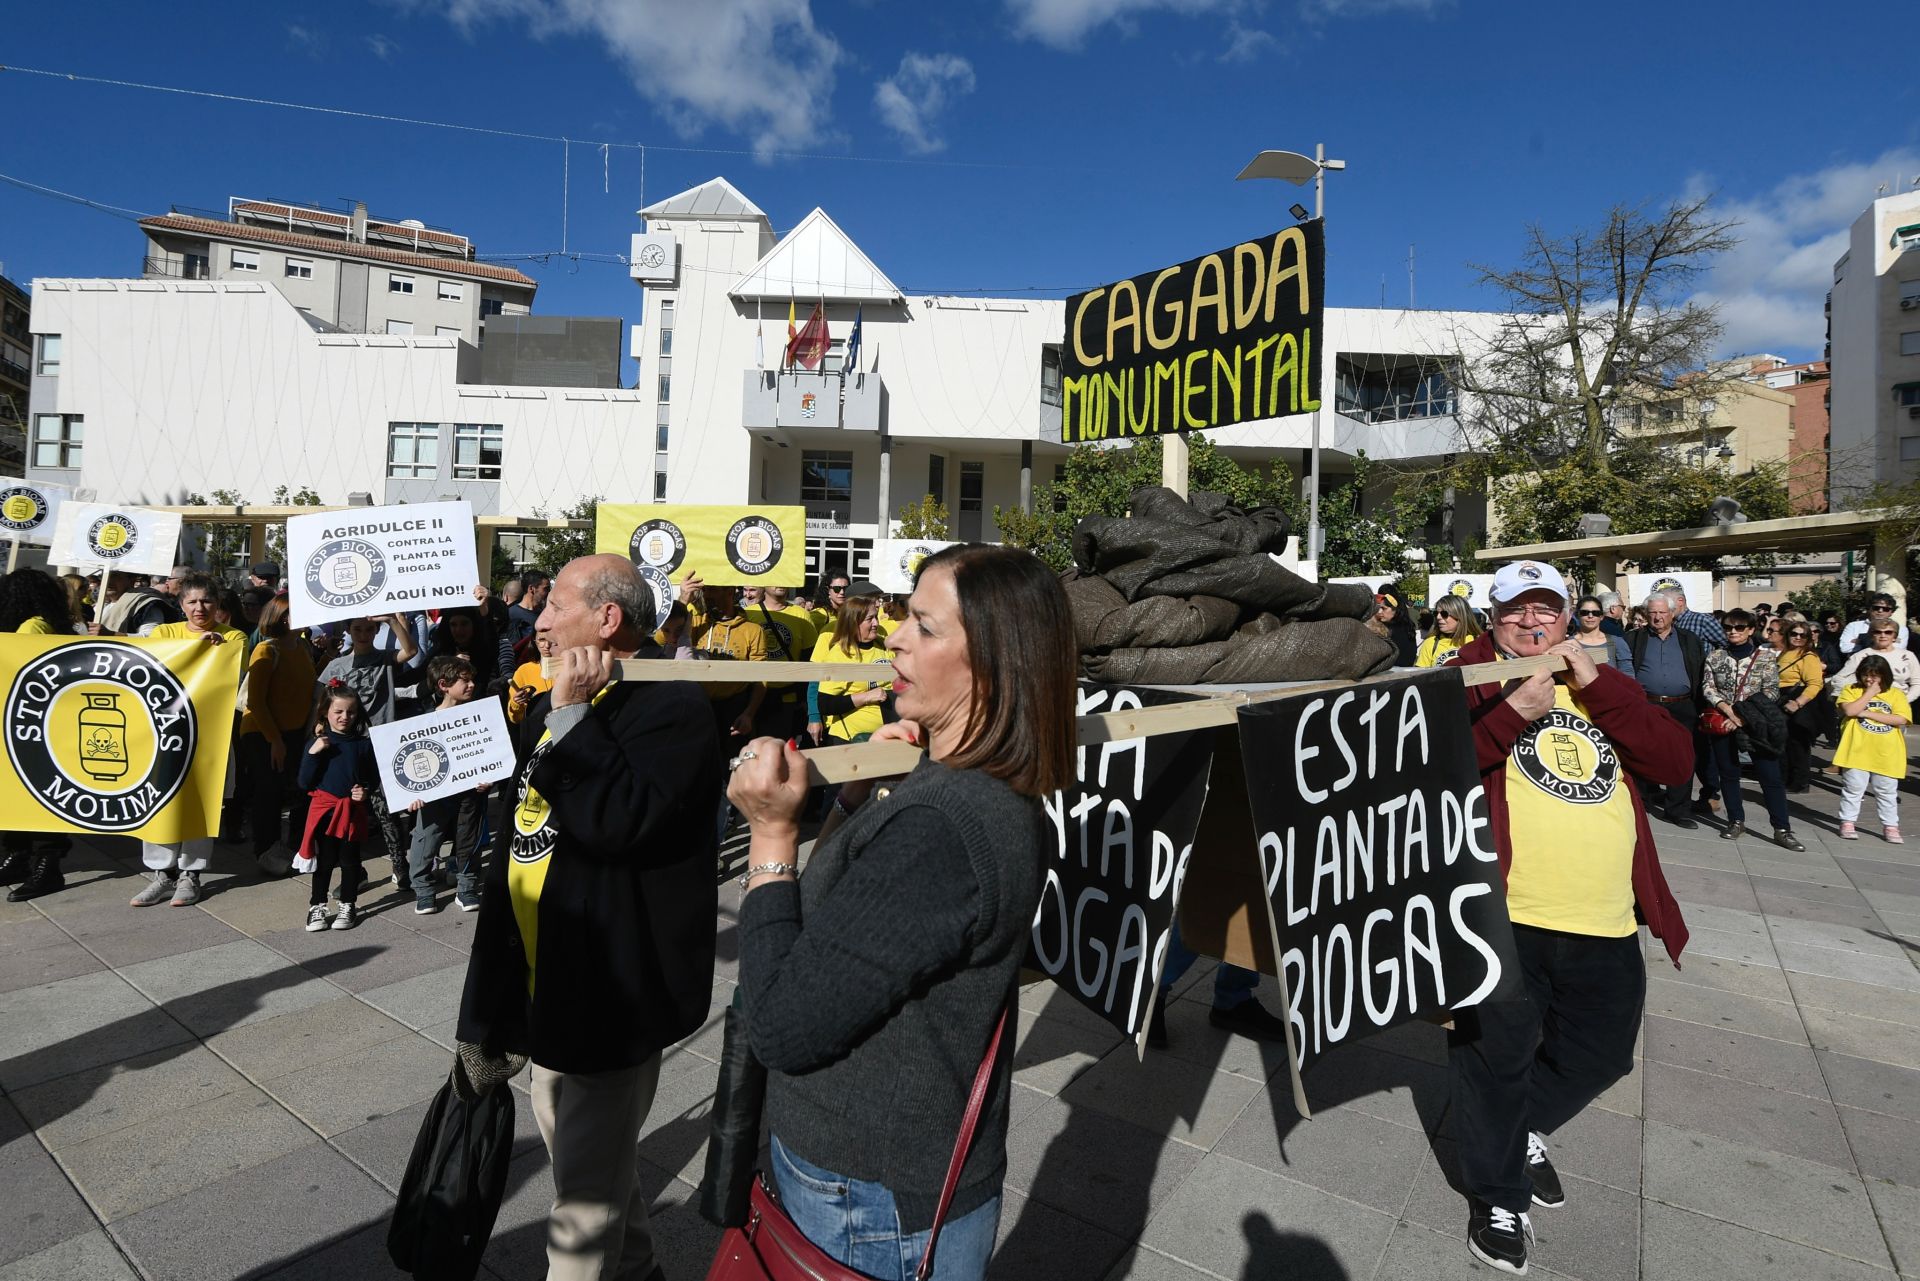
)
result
[(1224, 338), (1379, 857), (1123, 835)]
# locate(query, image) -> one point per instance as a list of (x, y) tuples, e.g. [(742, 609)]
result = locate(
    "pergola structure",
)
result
[(1885, 534), (257, 519)]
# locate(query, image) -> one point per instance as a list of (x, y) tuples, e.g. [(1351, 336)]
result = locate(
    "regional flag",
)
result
[(809, 346)]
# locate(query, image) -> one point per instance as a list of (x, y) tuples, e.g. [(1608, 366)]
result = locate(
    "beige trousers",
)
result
[(597, 1230)]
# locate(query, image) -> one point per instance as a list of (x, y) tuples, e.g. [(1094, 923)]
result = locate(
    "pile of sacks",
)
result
[(1186, 592)]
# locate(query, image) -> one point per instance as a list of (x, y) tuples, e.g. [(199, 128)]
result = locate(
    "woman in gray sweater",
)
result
[(873, 985)]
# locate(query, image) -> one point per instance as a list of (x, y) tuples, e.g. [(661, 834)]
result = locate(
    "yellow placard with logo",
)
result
[(118, 737), (759, 546)]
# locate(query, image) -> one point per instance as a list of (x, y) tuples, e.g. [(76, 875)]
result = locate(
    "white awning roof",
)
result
[(716, 198), (816, 260)]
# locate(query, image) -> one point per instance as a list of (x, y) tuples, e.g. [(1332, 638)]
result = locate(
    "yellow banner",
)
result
[(118, 737), (763, 546)]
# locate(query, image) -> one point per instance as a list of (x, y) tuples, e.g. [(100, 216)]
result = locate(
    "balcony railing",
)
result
[(177, 268), (810, 398)]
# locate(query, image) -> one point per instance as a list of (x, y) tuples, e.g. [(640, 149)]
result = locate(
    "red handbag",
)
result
[(770, 1248)]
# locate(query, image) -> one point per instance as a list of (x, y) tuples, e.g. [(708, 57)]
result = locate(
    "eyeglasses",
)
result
[(1739, 627), (1880, 609), (1888, 632), (837, 587), (1589, 613), (1528, 613), (1798, 635)]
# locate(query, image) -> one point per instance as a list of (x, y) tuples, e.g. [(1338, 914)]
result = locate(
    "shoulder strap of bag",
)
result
[(982, 1079)]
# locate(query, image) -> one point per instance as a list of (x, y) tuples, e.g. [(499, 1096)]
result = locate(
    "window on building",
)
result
[(666, 342), (49, 365), (492, 306), (299, 269), (826, 476), (399, 284), (1909, 292), (57, 439), (1050, 373), (660, 438), (973, 486), (399, 326), (447, 331), (246, 260), (659, 487), (1910, 343), (1907, 394), (937, 477), (666, 328), (666, 389), (451, 291), (477, 450), (194, 267), (413, 451), (1909, 449)]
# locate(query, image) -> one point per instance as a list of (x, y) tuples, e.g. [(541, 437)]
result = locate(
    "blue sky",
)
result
[(1001, 144)]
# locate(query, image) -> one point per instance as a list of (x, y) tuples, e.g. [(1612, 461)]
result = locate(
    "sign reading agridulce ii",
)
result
[(1225, 338)]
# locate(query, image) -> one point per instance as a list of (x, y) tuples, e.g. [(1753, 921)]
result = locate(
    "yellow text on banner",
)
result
[(761, 546), (117, 737)]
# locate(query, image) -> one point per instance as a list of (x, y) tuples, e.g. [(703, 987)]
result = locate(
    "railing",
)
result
[(178, 268)]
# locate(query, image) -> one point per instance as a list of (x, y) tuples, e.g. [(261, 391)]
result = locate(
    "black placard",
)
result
[(1228, 337), (1125, 834), (1379, 858)]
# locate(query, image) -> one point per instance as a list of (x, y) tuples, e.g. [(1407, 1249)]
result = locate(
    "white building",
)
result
[(1873, 345), (161, 387)]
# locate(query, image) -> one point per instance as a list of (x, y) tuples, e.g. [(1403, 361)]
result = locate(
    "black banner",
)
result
[(1224, 338), (1379, 857), (1124, 837)]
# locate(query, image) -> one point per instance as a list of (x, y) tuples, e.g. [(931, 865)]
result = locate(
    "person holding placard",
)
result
[(32, 603), (1558, 753), (280, 679), (461, 815)]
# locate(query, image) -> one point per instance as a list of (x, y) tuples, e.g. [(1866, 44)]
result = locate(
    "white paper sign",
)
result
[(896, 562), (375, 560), (1472, 587), (95, 536), (30, 509), (1696, 583), (443, 753)]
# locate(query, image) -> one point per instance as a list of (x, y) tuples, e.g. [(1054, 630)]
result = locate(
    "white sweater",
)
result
[(1906, 671)]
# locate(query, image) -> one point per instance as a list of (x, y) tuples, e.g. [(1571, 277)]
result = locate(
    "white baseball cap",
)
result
[(1520, 576)]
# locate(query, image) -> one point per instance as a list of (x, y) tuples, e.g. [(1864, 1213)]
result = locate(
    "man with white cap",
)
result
[(1558, 754)]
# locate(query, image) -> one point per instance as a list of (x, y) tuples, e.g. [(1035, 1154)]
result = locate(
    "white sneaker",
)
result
[(347, 919), (316, 918), (159, 889)]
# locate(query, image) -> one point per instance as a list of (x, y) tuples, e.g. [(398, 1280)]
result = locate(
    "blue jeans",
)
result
[(855, 1221), (463, 814), (1773, 791), (1231, 985)]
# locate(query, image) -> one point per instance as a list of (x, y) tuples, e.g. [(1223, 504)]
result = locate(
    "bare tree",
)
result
[(1598, 325)]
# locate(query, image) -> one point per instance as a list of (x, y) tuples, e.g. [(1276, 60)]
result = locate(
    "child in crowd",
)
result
[(338, 770), (455, 679), (378, 675), (528, 683), (1873, 747)]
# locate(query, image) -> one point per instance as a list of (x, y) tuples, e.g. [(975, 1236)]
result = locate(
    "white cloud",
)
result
[(913, 98), (1247, 44), (760, 68), (1065, 24), (1771, 289), (306, 39), (382, 47), (1365, 8)]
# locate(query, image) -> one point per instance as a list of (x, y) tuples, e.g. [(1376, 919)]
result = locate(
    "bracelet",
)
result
[(758, 869)]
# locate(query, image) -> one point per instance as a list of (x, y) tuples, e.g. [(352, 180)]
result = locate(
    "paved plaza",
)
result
[(211, 1092)]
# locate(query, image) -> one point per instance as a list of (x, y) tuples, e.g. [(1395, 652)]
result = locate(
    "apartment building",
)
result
[(1873, 332)]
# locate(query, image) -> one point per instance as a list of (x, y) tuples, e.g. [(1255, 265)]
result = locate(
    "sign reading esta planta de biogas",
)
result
[(1224, 338)]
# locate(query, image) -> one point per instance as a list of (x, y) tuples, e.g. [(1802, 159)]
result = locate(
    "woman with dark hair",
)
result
[(1588, 614), (1746, 669), (1391, 620), (33, 603), (874, 987), (1803, 695), (467, 633)]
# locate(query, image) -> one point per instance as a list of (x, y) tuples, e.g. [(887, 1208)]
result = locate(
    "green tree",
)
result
[(225, 545), (1644, 488), (277, 534), (924, 519), (1828, 594), (552, 548), (1353, 544)]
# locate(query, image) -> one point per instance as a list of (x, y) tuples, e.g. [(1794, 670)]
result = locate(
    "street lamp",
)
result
[(1291, 166)]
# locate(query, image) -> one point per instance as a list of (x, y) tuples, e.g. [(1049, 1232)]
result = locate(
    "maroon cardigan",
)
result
[(1652, 745)]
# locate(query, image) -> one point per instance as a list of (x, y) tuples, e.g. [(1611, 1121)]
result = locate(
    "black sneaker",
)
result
[(1157, 1024), (1681, 819), (1546, 1180), (1249, 1019), (1499, 1238)]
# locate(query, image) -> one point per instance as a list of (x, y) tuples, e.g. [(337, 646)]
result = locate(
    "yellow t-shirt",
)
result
[(1434, 649), (35, 626), (178, 631), (822, 620), (862, 720), (1869, 745), (530, 848), (738, 636), (790, 639), (526, 676), (887, 623), (1570, 826)]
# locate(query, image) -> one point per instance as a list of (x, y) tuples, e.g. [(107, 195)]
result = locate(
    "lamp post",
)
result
[(1298, 169)]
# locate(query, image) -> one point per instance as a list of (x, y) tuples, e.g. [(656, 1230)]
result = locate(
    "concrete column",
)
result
[(257, 546), (1606, 571), (886, 484), (1173, 462), (1026, 477), (1890, 567)]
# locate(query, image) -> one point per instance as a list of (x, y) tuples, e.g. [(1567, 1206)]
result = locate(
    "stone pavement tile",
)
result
[(1676, 1245), (261, 909), (1190, 1037), (254, 1221), (444, 1033), (1868, 940), (360, 1255), (36, 951), (1810, 892), (1417, 1252), (1774, 1119), (1779, 906), (1437, 1199), (1749, 949), (1728, 920), (91, 1255), (1745, 1058), (519, 1246), (1345, 1152), (1050, 1000), (429, 998), (1237, 1220), (1689, 1003), (1820, 873), (1882, 971), (76, 1024), (123, 936), (1718, 856), (1884, 1147), (1595, 1236), (1799, 1200), (1899, 1208), (217, 988), (363, 1087), (1901, 882), (1050, 1053), (41, 1207), (1872, 1086), (1037, 1240), (1599, 1147), (1888, 901), (1886, 861), (1764, 981), (1108, 1173), (1697, 885), (1904, 926), (1137, 1265), (1164, 1094), (683, 1242), (1848, 997), (306, 1038), (1361, 1078), (178, 1151), (72, 1109), (1863, 1037), (370, 955), (382, 1147), (674, 1135)]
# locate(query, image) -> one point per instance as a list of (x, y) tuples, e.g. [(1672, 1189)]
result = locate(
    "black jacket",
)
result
[(1692, 653), (624, 961)]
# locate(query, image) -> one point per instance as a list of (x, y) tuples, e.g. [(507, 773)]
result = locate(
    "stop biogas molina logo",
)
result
[(344, 572), (657, 544), (754, 545), (112, 537), (102, 734), (1565, 756), (22, 509)]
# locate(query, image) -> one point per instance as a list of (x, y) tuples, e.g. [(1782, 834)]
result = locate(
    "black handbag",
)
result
[(733, 1132), (455, 1181)]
